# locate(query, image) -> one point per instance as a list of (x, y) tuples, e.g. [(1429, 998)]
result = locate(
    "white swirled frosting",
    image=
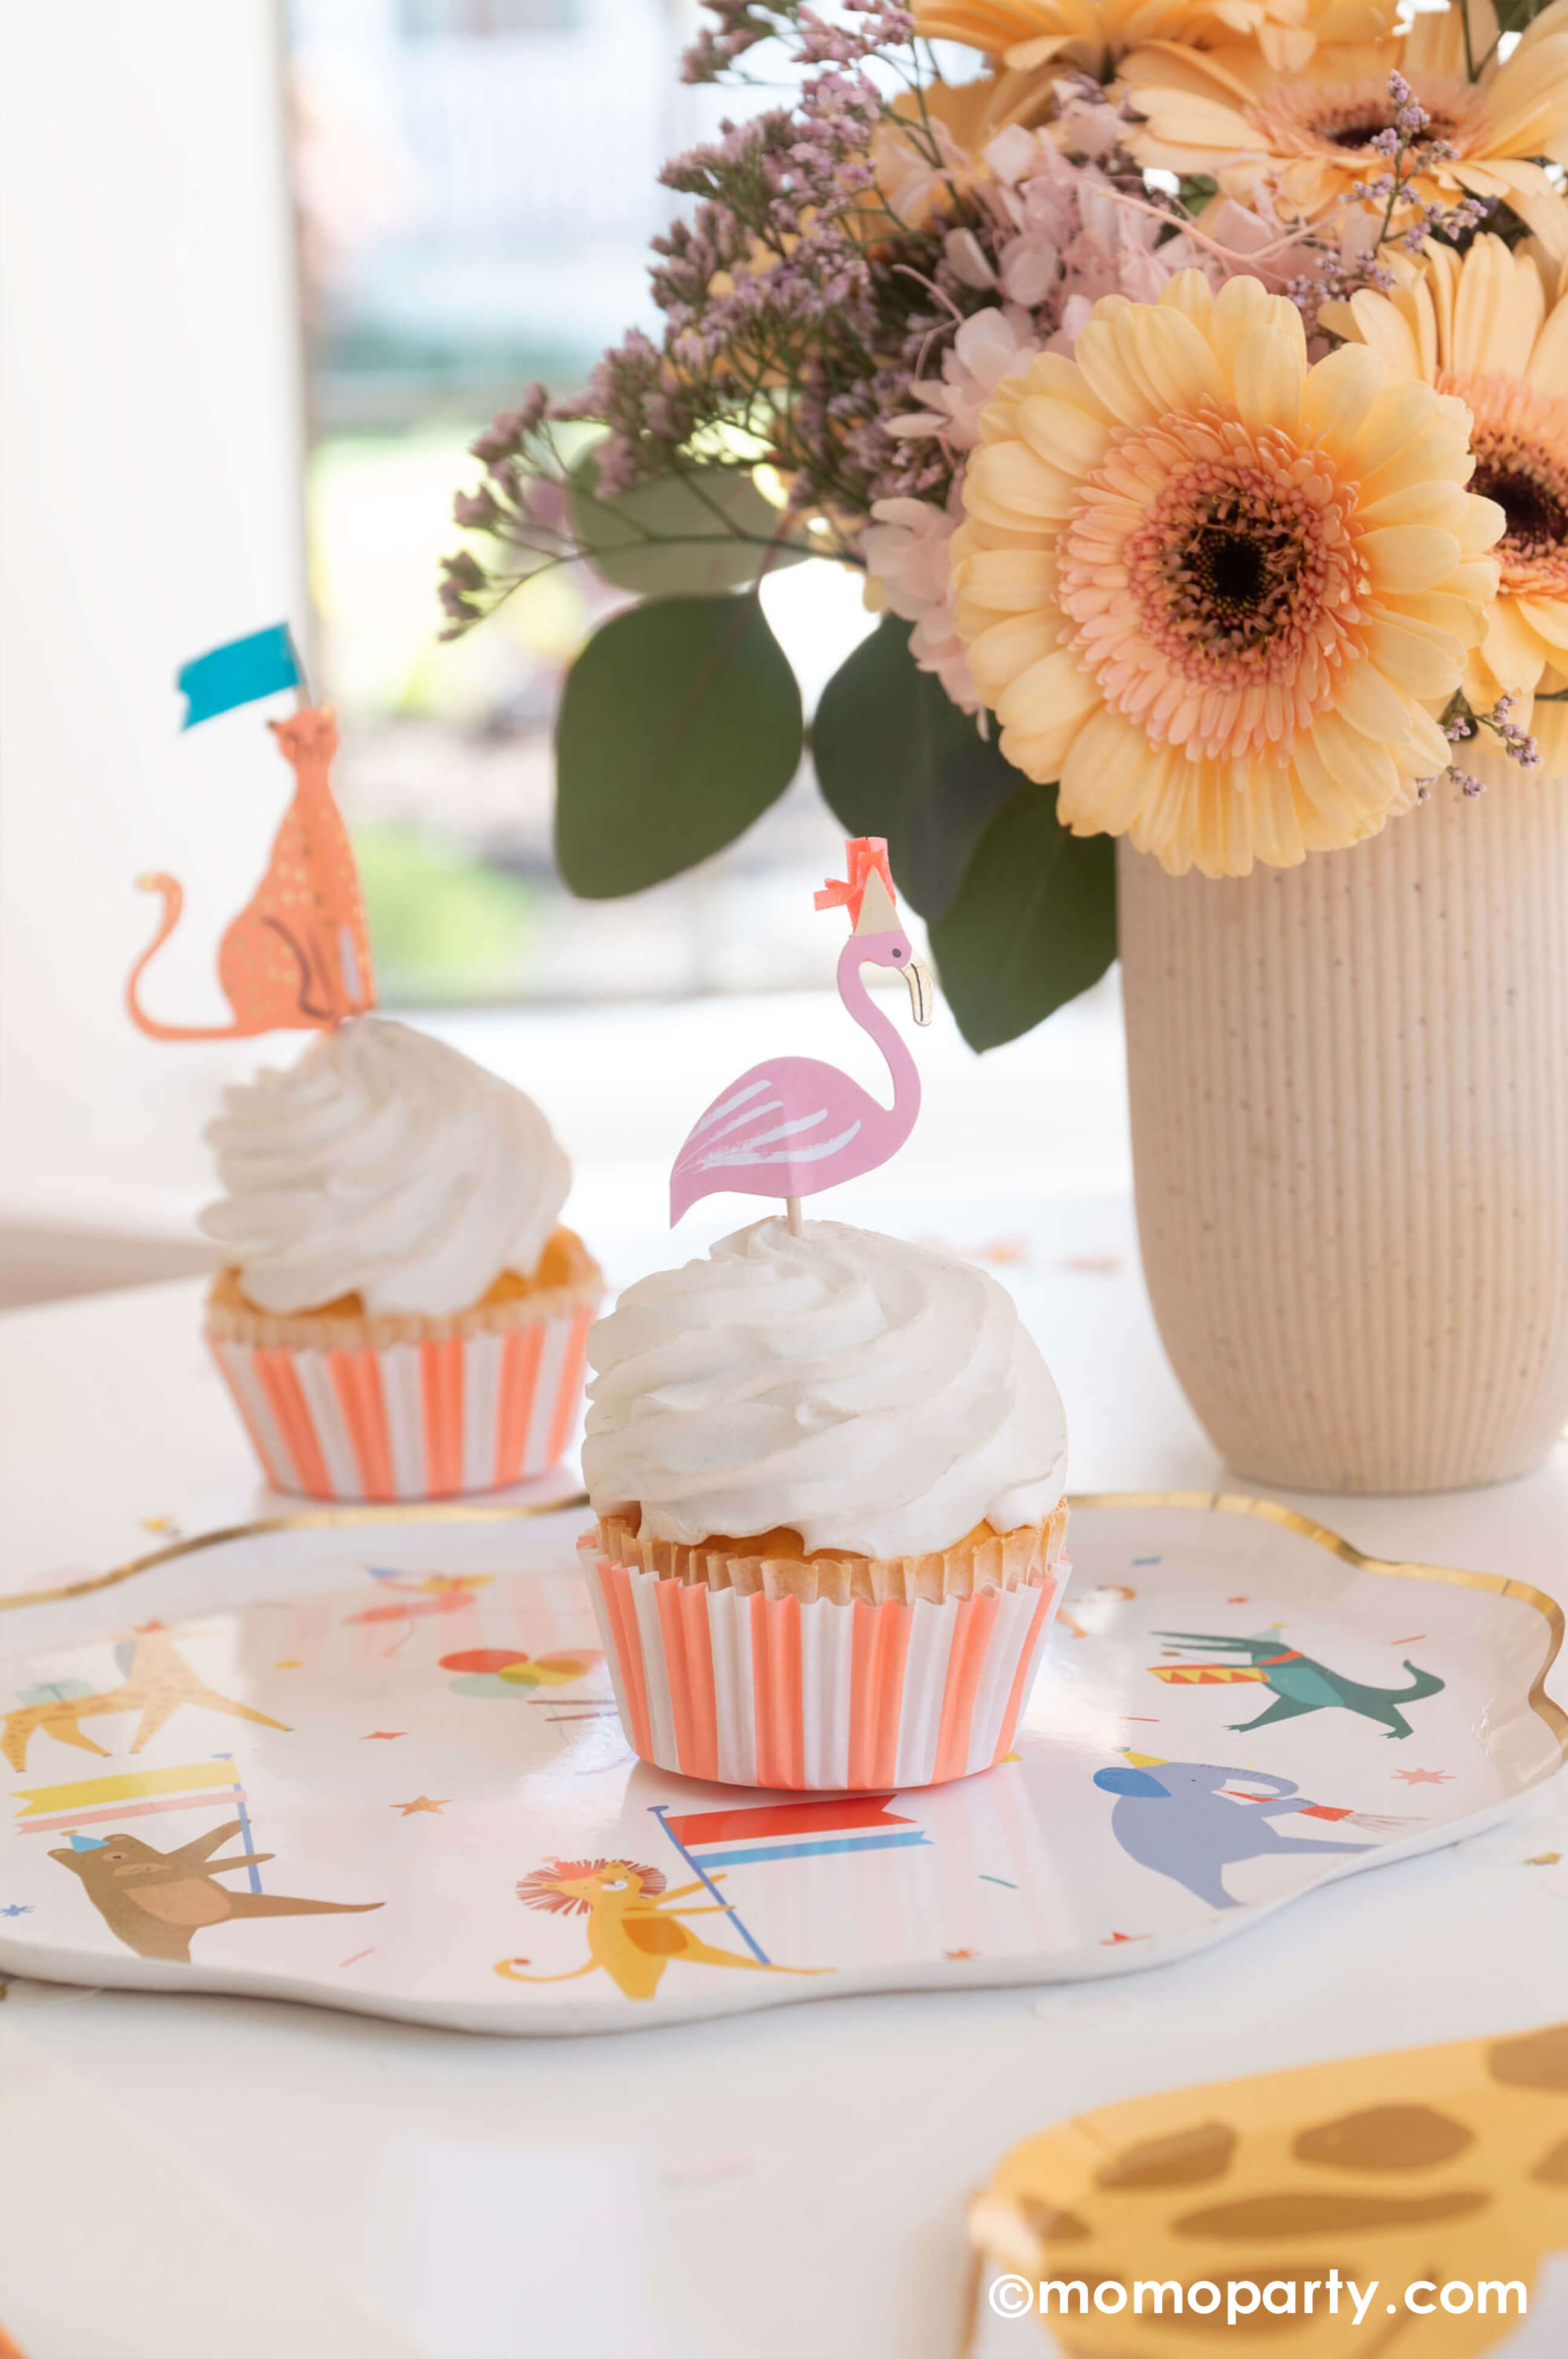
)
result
[(873, 1395), (387, 1165)]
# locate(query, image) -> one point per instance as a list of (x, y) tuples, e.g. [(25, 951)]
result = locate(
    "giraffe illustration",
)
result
[(157, 1682), (298, 956), (633, 1930)]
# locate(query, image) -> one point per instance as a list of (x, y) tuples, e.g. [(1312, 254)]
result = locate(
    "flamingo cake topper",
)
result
[(298, 956), (795, 1125)]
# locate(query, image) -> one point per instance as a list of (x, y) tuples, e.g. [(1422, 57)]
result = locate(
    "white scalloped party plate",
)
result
[(428, 1726)]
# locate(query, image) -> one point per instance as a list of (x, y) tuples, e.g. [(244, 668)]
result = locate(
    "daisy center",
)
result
[(1212, 575), (1233, 577), (1347, 115), (1534, 506), (1520, 442)]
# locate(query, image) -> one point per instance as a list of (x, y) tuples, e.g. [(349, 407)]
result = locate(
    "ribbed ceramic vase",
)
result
[(1349, 1085)]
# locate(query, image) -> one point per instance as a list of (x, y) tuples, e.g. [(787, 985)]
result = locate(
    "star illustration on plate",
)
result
[(960, 1954), (1425, 1776), (17, 1908), (387, 1732), (421, 1802)]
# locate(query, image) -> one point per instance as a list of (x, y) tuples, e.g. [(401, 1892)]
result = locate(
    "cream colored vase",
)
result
[(1349, 1087)]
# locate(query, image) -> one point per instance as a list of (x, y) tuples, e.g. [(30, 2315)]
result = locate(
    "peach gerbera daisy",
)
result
[(1208, 589), (1309, 129), (1029, 34), (1492, 327)]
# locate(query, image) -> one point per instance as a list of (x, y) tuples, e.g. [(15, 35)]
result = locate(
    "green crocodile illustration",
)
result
[(1301, 1685)]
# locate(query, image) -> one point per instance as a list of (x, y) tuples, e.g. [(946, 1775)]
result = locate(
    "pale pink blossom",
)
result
[(988, 346), (911, 184), (908, 553), (966, 258)]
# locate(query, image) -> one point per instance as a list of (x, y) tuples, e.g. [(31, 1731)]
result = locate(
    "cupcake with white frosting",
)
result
[(400, 1314), (828, 1470)]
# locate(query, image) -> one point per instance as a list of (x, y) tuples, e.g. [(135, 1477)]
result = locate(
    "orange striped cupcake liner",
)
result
[(817, 1695), (491, 1400)]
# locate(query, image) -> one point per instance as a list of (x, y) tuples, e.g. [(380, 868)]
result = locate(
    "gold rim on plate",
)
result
[(1227, 1503)]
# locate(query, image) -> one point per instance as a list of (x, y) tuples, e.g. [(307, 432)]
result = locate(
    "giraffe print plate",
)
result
[(394, 1780)]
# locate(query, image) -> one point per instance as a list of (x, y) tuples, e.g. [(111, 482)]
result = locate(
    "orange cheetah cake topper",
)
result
[(298, 956)]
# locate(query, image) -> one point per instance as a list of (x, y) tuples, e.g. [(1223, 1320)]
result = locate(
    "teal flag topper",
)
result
[(238, 673)]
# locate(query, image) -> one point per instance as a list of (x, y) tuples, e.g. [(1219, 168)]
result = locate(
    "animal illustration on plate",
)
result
[(1298, 1684), (430, 1593), (156, 1681), (154, 1900), (633, 1928), (1176, 1818)]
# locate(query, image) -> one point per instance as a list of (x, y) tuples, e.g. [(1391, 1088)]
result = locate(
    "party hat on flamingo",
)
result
[(298, 956), (795, 1125)]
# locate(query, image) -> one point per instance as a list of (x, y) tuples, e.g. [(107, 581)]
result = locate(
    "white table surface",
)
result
[(211, 2178)]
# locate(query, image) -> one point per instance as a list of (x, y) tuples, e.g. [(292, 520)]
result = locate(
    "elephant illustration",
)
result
[(1174, 1816)]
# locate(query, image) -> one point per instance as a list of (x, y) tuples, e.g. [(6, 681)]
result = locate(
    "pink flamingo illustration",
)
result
[(437, 1592), (795, 1125)]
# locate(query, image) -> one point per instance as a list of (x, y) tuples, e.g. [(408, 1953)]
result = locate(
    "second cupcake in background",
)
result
[(401, 1314), (828, 1470)]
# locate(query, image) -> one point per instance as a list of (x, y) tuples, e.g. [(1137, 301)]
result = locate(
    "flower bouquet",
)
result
[(1188, 381)]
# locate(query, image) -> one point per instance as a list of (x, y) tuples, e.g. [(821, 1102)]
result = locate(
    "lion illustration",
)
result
[(633, 1928)]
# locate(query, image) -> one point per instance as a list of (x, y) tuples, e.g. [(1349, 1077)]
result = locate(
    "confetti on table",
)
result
[(25, 1908), (998, 1879), (355, 1959), (1110, 1941), (388, 1734), (960, 1954)]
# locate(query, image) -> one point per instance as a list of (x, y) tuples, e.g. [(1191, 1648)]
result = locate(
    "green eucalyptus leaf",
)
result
[(895, 757), (1033, 923), (1194, 190), (679, 725), (686, 534)]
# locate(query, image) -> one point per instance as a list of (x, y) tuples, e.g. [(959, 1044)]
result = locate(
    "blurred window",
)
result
[(477, 181), (473, 19)]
